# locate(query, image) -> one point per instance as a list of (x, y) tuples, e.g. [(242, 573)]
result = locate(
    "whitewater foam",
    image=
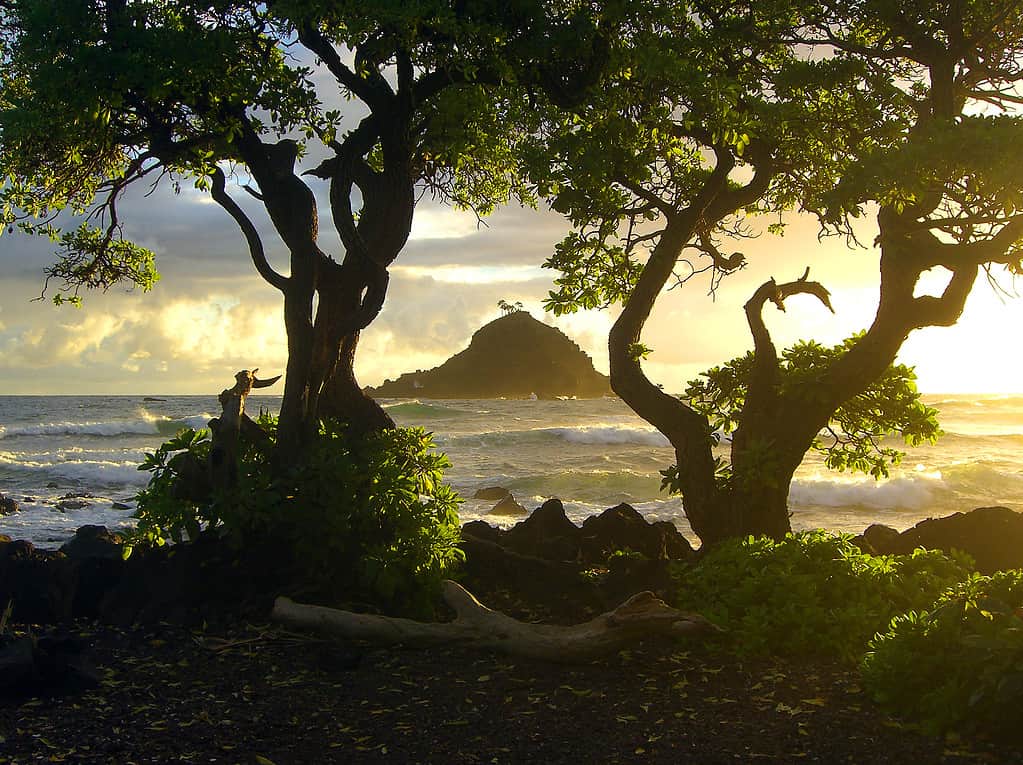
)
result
[(914, 491), (81, 429), (608, 434), (89, 472), (149, 425)]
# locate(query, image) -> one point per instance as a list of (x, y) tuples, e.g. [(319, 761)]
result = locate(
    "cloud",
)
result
[(211, 314)]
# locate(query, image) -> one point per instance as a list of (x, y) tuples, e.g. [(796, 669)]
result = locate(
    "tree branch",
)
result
[(313, 39), (219, 193), (651, 199), (944, 311), (731, 200), (997, 249), (766, 356)]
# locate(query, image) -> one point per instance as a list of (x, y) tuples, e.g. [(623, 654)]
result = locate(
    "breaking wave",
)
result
[(609, 434), (910, 492), (417, 409), (147, 425)]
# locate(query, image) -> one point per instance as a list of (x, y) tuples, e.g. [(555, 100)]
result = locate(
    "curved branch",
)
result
[(715, 184), (313, 39), (765, 363), (219, 193), (997, 249), (944, 311), (764, 170), (724, 263)]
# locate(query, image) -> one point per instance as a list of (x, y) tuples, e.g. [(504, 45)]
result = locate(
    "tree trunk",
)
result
[(343, 399), (641, 616)]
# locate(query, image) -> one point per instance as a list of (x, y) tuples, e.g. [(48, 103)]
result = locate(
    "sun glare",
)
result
[(980, 354)]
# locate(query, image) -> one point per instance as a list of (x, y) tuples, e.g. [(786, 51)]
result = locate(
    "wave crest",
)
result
[(910, 492), (148, 426), (609, 434)]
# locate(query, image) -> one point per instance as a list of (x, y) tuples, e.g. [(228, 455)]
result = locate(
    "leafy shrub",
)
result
[(854, 439), (811, 594), (372, 518), (163, 513), (959, 665)]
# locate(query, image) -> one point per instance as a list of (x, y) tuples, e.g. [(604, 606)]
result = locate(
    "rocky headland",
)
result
[(514, 356)]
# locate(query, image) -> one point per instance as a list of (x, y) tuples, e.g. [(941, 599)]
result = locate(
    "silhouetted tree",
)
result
[(102, 96)]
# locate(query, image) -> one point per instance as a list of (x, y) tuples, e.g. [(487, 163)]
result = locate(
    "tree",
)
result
[(99, 97), (754, 108), (509, 308)]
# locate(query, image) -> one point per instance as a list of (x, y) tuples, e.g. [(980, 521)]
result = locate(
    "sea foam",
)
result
[(148, 425), (911, 492), (608, 434), (89, 472)]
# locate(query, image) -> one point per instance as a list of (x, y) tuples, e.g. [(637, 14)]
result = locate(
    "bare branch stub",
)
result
[(232, 425)]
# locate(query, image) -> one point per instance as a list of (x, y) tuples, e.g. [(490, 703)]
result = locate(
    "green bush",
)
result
[(959, 665), (811, 594), (162, 512), (370, 519)]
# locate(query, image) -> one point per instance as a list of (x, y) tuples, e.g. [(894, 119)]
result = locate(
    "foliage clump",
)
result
[(812, 594), (370, 516), (960, 664), (854, 439)]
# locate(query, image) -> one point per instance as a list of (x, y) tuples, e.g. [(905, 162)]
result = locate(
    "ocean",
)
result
[(592, 454)]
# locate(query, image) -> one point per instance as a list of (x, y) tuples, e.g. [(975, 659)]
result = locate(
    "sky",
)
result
[(211, 314)]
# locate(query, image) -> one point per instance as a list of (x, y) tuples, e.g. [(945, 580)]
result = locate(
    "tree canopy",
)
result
[(838, 109), (381, 102)]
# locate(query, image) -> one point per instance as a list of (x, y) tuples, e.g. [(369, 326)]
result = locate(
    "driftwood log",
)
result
[(640, 616)]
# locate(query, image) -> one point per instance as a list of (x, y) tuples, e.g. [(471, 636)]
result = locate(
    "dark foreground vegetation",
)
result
[(198, 674)]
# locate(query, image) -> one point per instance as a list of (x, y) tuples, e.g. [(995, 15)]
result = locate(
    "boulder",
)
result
[(120, 506), (7, 505), (51, 665), (491, 492), (622, 528), (508, 506), (481, 530), (17, 665), (40, 583), (628, 575), (98, 558), (546, 533), (879, 539), (552, 584), (992, 536), (93, 542), (70, 504)]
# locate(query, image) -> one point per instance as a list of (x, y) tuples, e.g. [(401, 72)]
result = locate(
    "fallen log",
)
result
[(641, 616)]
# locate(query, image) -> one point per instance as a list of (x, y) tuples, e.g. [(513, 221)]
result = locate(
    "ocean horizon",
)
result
[(590, 453)]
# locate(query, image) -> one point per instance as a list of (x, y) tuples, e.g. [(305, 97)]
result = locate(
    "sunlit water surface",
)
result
[(592, 454)]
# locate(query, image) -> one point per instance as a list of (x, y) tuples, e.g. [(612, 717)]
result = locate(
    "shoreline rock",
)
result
[(508, 506), (8, 505), (187, 583), (992, 536)]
